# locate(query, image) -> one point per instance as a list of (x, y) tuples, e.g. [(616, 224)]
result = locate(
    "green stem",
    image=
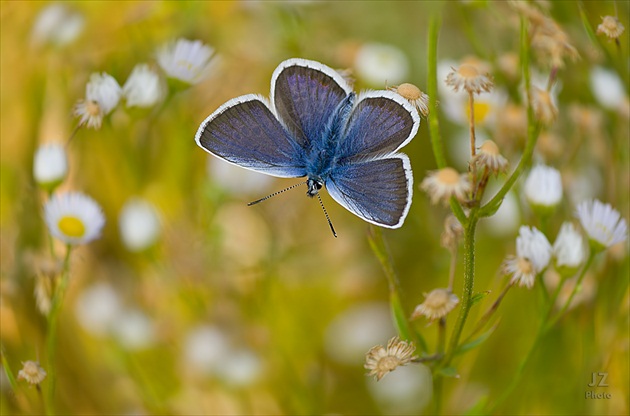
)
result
[(469, 280), (533, 130), (578, 283), (51, 340), (379, 247), (7, 369), (545, 325), (434, 124)]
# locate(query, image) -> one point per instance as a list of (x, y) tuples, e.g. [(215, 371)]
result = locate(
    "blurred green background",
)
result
[(259, 310)]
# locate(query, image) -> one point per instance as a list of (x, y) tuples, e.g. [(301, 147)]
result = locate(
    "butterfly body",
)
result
[(316, 127)]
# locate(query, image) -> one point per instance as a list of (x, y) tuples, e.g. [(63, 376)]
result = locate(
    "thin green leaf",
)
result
[(477, 341)]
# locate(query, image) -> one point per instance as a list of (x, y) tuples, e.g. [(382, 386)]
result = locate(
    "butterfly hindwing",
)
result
[(305, 94), (378, 191), (380, 123), (245, 132)]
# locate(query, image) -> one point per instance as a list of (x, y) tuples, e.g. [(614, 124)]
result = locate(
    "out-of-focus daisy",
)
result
[(437, 304), (509, 65), (143, 88), (506, 221), (406, 391), (611, 27), (241, 367), (543, 188), (74, 218), (57, 24), (32, 372), (380, 360), (102, 95), (602, 223), (468, 78), (50, 166), (608, 88), (205, 347), (139, 224), (134, 330), (443, 183), (97, 308), (357, 329), (186, 60), (568, 250), (378, 64), (414, 95), (235, 180), (489, 156), (533, 253)]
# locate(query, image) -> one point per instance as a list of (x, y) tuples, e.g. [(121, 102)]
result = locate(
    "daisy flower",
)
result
[(380, 360), (437, 304), (102, 95), (377, 64), (139, 225), (74, 218), (543, 188), (533, 253), (568, 249), (444, 183), (50, 165), (143, 87), (602, 223), (186, 60)]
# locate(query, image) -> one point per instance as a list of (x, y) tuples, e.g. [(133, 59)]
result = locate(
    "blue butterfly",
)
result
[(315, 126)]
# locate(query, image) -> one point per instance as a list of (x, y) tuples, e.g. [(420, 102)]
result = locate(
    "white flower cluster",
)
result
[(189, 62)]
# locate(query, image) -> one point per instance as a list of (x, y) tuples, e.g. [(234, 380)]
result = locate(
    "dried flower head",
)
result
[(545, 109), (551, 45), (488, 156), (32, 372), (468, 77), (443, 183), (414, 95), (611, 27), (452, 234), (380, 360), (437, 304)]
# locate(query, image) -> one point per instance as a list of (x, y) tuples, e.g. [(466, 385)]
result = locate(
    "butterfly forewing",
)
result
[(379, 191), (380, 123), (305, 94), (245, 132)]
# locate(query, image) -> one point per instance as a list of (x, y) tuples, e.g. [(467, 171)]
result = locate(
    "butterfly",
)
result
[(315, 126)]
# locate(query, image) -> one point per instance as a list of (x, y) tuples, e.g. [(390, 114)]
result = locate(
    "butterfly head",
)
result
[(314, 185)]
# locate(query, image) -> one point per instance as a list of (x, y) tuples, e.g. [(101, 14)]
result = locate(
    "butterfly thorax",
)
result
[(324, 149)]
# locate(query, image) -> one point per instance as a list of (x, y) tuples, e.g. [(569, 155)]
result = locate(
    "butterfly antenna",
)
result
[(326, 214), (275, 193)]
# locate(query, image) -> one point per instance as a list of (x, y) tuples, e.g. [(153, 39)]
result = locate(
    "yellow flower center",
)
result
[(481, 110), (525, 266), (71, 226), (448, 176), (92, 108)]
